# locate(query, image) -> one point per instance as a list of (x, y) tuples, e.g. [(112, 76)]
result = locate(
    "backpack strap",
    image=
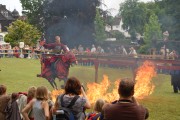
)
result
[(71, 103), (61, 99)]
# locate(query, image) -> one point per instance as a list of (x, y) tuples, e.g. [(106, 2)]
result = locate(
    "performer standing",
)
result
[(52, 68)]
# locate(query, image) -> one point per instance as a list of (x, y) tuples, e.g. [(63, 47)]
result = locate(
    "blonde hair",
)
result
[(31, 92), (42, 93), (98, 105)]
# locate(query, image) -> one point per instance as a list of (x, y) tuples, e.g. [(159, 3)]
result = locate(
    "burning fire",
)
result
[(108, 92), (96, 91), (55, 93), (144, 75)]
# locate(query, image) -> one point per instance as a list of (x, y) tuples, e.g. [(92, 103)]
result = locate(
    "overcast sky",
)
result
[(15, 4)]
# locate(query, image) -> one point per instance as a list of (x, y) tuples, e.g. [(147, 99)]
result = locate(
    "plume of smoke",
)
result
[(73, 20)]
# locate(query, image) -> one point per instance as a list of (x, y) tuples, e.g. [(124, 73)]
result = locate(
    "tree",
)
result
[(170, 18), (118, 35), (134, 17), (20, 31), (33, 9), (100, 34), (151, 34)]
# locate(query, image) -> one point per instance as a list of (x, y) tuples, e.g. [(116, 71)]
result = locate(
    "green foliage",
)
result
[(133, 16), (152, 33), (170, 17), (20, 31), (109, 20), (33, 9), (118, 35), (100, 34)]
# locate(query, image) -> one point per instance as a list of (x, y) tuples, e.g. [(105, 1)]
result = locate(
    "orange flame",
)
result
[(144, 87), (55, 93), (104, 90), (96, 91)]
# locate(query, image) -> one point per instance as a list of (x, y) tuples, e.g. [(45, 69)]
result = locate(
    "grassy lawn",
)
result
[(20, 74)]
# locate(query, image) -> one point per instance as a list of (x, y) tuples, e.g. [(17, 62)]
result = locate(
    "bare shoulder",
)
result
[(44, 103)]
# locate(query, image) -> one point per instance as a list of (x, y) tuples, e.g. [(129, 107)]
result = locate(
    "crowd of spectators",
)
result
[(36, 104), (34, 52)]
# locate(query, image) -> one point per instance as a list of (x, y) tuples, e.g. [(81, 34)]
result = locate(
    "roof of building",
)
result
[(15, 13), (5, 14)]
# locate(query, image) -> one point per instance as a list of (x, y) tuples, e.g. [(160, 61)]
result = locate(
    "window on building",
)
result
[(6, 14)]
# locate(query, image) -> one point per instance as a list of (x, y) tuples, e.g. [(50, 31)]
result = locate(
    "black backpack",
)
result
[(65, 113)]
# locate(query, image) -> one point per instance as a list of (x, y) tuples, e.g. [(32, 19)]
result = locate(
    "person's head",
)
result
[(14, 96), (31, 92), (2, 89), (98, 105), (73, 86), (126, 88), (57, 39), (42, 93)]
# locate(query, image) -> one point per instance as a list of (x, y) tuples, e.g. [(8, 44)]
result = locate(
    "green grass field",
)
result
[(20, 74)]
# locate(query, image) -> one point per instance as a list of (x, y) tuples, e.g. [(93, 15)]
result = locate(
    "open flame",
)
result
[(55, 93), (104, 90), (144, 86), (96, 91)]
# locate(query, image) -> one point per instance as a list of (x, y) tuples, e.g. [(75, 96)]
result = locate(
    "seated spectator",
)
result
[(173, 55), (126, 108), (24, 99), (73, 89), (39, 105), (96, 115), (4, 99)]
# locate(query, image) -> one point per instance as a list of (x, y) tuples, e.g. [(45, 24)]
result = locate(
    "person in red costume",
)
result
[(57, 66)]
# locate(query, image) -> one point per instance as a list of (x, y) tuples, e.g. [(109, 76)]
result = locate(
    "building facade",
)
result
[(6, 18), (117, 26)]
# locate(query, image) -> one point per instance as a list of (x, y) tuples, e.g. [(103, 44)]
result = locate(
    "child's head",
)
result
[(98, 105), (2, 89), (31, 92), (42, 93)]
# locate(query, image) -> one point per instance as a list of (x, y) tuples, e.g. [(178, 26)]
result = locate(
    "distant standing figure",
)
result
[(124, 52), (132, 51), (93, 49), (166, 35)]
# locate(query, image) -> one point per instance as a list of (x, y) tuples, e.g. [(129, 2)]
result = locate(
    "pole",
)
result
[(96, 65)]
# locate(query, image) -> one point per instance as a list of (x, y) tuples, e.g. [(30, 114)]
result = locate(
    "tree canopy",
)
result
[(170, 17), (152, 33), (134, 17), (20, 31), (100, 35)]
